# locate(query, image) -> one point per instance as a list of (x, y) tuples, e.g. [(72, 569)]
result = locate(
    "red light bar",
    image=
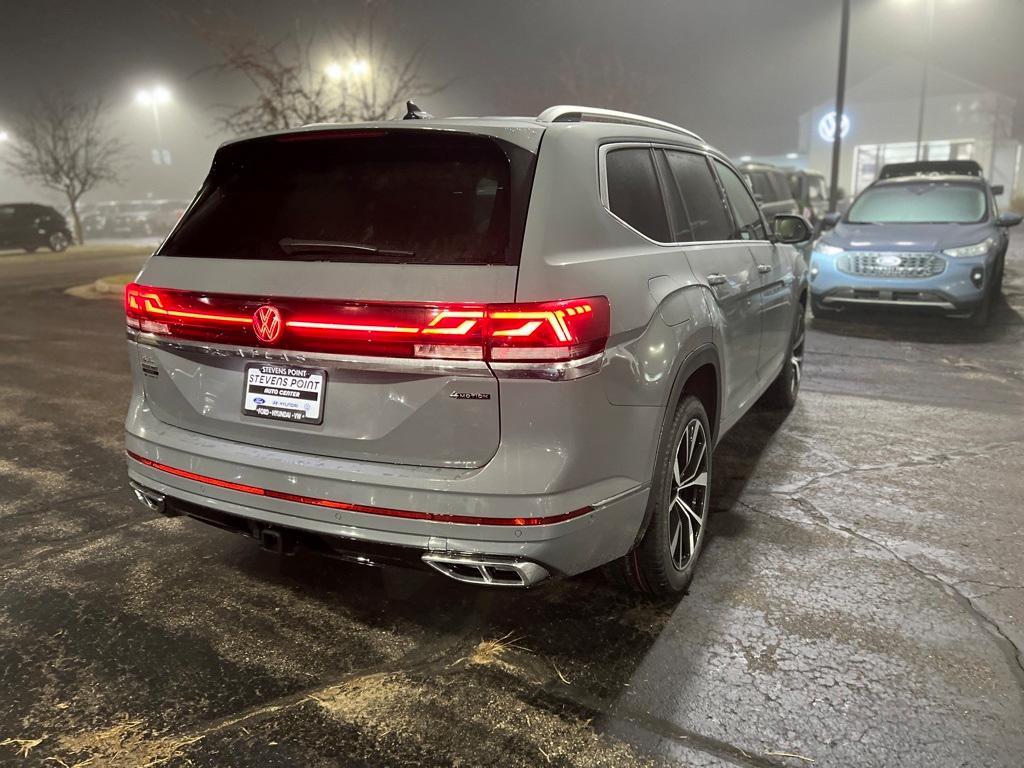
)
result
[(542, 331), (346, 506)]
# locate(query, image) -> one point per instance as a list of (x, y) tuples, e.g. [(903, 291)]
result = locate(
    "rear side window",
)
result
[(700, 213), (633, 192), (780, 187), (745, 210), (761, 185), (816, 188), (390, 196)]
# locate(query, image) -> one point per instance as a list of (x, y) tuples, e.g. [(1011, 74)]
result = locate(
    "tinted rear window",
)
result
[(420, 197), (703, 215), (634, 194), (780, 187), (761, 185)]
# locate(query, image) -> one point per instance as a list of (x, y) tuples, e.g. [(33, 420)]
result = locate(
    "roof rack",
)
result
[(568, 113), (927, 167)]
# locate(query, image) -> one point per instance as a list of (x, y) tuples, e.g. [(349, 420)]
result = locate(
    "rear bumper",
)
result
[(567, 532)]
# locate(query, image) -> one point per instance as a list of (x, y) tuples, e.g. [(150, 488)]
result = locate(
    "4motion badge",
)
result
[(470, 396)]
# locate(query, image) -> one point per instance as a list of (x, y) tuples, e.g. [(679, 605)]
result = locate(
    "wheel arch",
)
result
[(700, 375)]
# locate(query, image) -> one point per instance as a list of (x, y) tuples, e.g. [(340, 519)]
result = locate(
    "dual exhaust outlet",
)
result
[(471, 569)]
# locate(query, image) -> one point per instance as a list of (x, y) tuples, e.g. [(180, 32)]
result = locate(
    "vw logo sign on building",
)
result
[(827, 127)]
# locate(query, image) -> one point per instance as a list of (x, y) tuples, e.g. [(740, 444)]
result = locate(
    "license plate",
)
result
[(284, 393)]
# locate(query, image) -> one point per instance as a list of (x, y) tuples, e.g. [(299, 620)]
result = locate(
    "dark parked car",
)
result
[(810, 190), (30, 226), (135, 218), (146, 217), (771, 188)]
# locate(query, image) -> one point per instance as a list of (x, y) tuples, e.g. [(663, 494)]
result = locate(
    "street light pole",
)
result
[(156, 123), (153, 98), (837, 138), (924, 78)]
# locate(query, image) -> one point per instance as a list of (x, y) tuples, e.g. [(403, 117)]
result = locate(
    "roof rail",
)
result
[(568, 113), (925, 167)]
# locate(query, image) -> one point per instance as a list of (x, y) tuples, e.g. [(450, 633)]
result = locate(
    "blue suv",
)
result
[(924, 234)]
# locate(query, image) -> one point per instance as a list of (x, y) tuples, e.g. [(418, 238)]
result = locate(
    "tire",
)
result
[(664, 561), (819, 311), (980, 316), (782, 393), (57, 242)]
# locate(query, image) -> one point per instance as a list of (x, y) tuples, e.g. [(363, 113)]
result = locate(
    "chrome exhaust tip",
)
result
[(150, 499), (490, 572)]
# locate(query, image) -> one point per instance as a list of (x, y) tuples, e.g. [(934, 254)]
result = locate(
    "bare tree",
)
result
[(62, 144), (291, 83)]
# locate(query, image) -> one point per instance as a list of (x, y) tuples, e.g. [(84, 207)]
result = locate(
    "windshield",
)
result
[(371, 196), (920, 203)]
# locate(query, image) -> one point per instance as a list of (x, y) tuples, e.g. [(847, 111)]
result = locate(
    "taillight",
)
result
[(544, 331), (556, 330)]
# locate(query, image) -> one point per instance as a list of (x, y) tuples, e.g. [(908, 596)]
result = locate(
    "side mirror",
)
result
[(998, 189), (829, 220), (1009, 219), (790, 229), (758, 198)]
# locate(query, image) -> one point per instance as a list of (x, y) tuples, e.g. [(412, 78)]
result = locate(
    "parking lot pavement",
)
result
[(860, 602)]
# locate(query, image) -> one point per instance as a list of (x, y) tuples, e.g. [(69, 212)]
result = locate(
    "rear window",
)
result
[(419, 197), (761, 185), (920, 203), (780, 187), (634, 194), (702, 215)]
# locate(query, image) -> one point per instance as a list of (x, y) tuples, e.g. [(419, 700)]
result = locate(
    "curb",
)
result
[(110, 287)]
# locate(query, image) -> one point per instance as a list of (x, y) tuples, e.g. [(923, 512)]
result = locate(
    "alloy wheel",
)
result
[(58, 242), (796, 358), (688, 509)]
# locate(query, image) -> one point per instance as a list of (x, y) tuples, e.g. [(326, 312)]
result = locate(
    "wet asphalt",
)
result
[(860, 602)]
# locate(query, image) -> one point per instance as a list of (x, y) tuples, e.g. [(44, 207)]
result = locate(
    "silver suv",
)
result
[(501, 347)]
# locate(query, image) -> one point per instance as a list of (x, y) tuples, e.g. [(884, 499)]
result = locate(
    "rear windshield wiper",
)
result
[(324, 249)]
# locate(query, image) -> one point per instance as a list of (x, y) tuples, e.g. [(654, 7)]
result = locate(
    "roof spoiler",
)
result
[(926, 167)]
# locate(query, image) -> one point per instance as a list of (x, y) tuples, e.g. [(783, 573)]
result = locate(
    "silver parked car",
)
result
[(501, 347)]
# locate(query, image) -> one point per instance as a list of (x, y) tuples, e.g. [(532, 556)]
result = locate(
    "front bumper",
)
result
[(952, 291)]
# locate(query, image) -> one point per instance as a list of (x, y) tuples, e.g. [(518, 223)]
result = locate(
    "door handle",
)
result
[(716, 279), (764, 269)]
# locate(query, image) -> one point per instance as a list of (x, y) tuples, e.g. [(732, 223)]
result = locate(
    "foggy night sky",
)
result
[(737, 71)]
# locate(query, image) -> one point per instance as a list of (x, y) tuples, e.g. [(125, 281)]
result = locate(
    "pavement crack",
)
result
[(944, 457), (611, 710), (1013, 654)]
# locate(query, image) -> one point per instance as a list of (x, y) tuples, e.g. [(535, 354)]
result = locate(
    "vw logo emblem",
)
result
[(267, 324), (827, 127)]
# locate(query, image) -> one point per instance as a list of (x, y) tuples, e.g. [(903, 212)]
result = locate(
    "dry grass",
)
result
[(493, 652), (24, 746)]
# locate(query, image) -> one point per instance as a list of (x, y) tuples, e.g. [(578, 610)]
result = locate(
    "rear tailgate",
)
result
[(354, 242)]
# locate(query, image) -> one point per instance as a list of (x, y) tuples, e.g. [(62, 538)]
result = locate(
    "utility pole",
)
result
[(924, 77), (837, 138)]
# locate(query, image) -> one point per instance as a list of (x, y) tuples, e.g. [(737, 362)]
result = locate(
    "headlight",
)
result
[(966, 251), (827, 250)]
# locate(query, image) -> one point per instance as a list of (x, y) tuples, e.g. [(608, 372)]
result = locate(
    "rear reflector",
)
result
[(543, 331), (343, 505)]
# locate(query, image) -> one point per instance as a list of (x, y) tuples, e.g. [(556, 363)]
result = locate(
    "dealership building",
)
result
[(962, 121)]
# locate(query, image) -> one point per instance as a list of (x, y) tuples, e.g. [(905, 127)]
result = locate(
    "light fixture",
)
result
[(333, 71)]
